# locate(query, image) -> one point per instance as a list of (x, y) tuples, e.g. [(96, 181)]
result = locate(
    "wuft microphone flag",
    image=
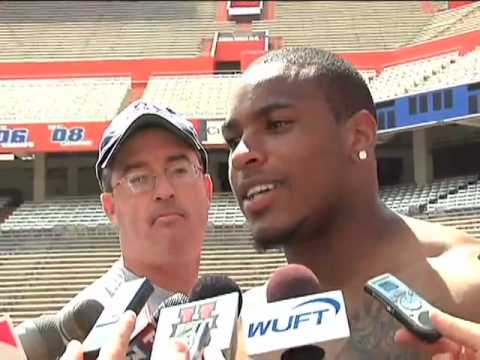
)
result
[(276, 327), (10, 347)]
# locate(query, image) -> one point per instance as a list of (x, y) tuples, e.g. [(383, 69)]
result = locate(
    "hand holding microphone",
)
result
[(461, 338), (115, 348)]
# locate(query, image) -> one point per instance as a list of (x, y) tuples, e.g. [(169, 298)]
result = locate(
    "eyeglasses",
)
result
[(177, 174)]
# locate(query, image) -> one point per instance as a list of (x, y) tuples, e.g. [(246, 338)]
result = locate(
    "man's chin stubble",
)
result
[(276, 239)]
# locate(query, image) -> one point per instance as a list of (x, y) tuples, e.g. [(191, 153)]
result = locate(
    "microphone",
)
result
[(132, 295), (207, 322), (10, 346), (297, 318), (47, 336), (141, 340), (289, 282)]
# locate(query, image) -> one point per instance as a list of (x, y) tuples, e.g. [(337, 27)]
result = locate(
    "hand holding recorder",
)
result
[(461, 338)]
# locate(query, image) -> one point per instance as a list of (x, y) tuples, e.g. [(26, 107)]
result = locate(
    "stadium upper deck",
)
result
[(54, 30)]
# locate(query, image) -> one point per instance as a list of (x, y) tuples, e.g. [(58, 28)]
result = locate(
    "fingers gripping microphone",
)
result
[(46, 337), (297, 320)]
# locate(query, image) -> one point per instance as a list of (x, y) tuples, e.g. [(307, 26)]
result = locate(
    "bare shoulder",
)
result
[(455, 256), (437, 238), (460, 268)]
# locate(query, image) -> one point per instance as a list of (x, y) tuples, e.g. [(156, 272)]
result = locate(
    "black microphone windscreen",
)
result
[(76, 322), (48, 330), (209, 286), (291, 281), (307, 352)]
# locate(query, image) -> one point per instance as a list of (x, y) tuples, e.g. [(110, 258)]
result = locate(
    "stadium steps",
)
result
[(351, 26), (450, 22), (59, 261), (106, 30), (77, 99), (219, 262)]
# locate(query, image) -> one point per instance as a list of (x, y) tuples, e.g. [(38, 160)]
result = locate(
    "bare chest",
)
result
[(372, 334)]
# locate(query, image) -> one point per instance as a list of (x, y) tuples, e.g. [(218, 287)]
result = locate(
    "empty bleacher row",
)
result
[(466, 23), (50, 251), (465, 219), (55, 30), (203, 96), (465, 69), (86, 211), (41, 270), (346, 25), (450, 22), (449, 193), (207, 96), (62, 100), (398, 80), (196, 96), (52, 30)]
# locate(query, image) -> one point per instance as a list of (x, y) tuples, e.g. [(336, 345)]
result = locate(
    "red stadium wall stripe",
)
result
[(139, 69)]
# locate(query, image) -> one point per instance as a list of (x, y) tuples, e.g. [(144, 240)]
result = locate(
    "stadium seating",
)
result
[(53, 30), (62, 100), (49, 251), (225, 211), (207, 96), (450, 22), (466, 69), (47, 30), (41, 270), (398, 80), (202, 96), (195, 96), (345, 26), (86, 211), (467, 219), (406, 198), (64, 212)]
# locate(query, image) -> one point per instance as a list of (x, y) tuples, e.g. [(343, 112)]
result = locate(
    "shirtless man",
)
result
[(302, 133)]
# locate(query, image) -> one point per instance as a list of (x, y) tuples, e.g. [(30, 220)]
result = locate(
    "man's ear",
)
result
[(361, 135), (109, 207), (207, 180)]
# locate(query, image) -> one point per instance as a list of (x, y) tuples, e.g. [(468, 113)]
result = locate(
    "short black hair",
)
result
[(347, 92)]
